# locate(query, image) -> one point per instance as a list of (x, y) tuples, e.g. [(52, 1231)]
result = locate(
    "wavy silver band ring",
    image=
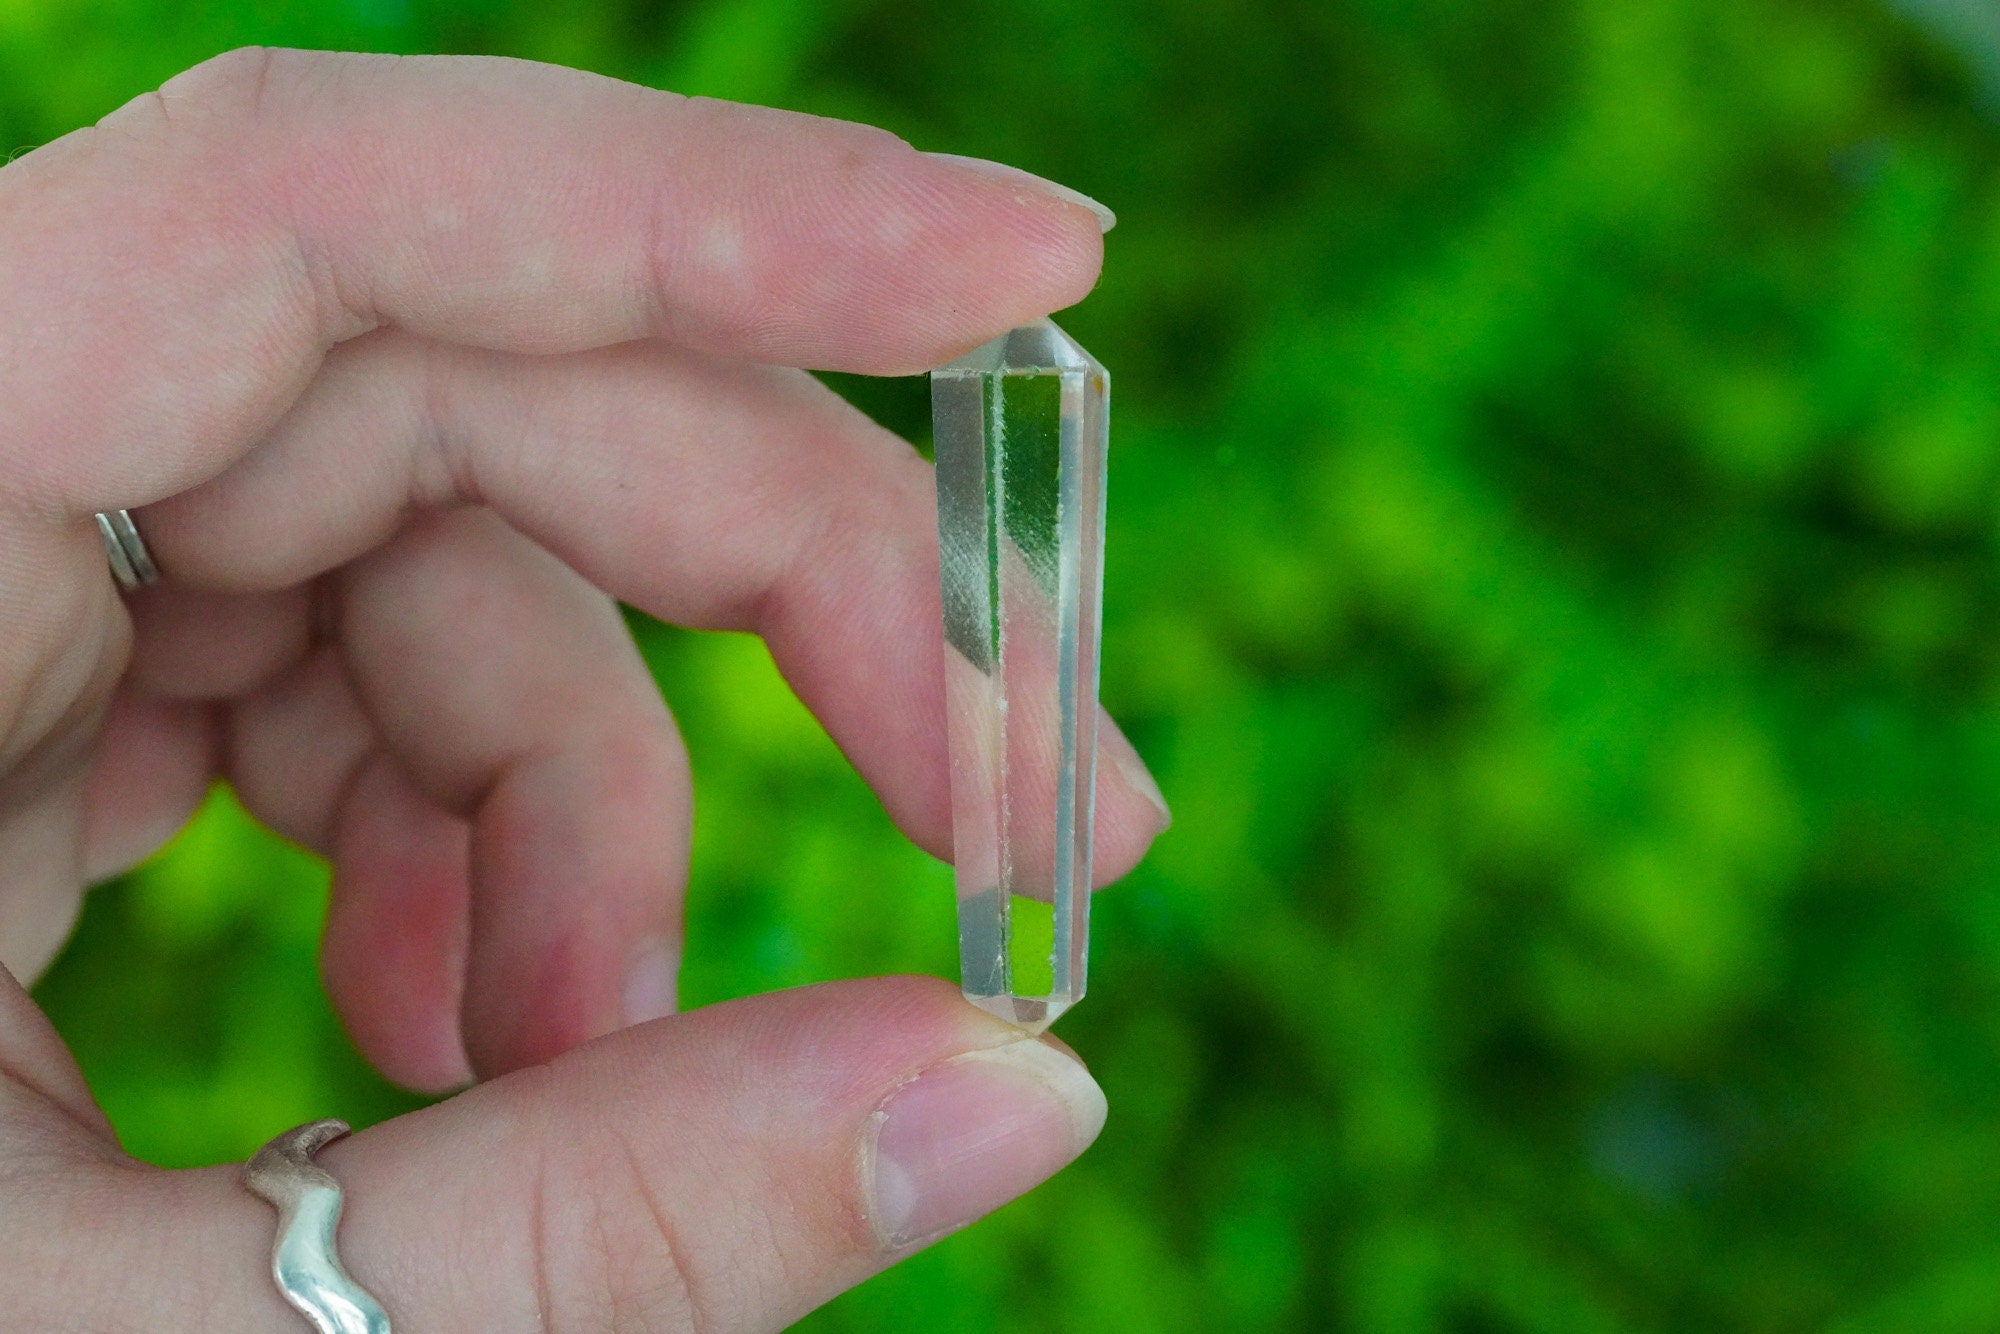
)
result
[(305, 1259), (131, 564)]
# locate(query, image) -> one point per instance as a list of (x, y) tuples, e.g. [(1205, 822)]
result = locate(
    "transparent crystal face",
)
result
[(1021, 428)]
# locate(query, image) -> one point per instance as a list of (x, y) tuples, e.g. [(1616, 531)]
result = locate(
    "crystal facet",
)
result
[(1021, 429)]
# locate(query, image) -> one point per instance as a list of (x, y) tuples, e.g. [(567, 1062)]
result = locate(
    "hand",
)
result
[(409, 368)]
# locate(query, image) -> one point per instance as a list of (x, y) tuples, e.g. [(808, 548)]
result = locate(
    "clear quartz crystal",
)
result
[(1021, 441)]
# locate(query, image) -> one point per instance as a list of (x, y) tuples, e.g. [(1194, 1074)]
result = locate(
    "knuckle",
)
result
[(234, 122), (616, 1258), (234, 82), (226, 90)]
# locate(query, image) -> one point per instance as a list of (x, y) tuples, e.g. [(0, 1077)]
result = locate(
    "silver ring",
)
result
[(131, 564), (305, 1259)]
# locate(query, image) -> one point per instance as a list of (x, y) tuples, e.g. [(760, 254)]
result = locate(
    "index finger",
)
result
[(176, 273)]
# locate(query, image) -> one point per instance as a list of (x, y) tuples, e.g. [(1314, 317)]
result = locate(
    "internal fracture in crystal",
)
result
[(1022, 433)]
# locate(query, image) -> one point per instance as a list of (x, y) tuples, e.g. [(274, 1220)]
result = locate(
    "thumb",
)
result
[(728, 1169)]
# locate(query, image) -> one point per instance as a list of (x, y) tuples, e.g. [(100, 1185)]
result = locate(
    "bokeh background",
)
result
[(1554, 570)]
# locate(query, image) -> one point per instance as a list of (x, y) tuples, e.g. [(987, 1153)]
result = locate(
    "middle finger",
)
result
[(709, 493)]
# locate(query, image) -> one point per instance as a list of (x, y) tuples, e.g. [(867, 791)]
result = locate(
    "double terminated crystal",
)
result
[(1021, 440)]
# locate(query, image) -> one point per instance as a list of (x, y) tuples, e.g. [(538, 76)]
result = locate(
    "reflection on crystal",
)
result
[(1021, 437)]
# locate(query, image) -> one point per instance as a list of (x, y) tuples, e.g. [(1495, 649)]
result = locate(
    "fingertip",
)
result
[(970, 1133), (393, 954), (435, 1074), (1018, 179), (1131, 810), (652, 983), (155, 760), (1128, 769), (993, 249)]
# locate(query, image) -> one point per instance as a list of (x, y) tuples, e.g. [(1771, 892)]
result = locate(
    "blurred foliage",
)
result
[(1552, 569)]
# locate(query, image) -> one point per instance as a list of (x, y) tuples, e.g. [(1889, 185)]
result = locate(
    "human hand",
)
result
[(408, 368)]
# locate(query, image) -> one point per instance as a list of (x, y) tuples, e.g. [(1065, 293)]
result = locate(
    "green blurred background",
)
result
[(1554, 570)]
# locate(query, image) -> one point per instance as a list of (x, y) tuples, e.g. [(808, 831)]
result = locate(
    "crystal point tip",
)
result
[(1032, 1014), (1041, 347)]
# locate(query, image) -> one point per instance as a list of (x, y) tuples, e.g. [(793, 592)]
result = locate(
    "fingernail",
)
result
[(966, 1136), (652, 984), (1117, 750), (1106, 219)]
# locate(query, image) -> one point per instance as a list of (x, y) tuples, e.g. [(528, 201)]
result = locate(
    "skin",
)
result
[(409, 368)]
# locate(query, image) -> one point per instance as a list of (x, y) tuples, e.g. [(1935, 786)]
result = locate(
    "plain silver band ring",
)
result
[(131, 564), (305, 1260)]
